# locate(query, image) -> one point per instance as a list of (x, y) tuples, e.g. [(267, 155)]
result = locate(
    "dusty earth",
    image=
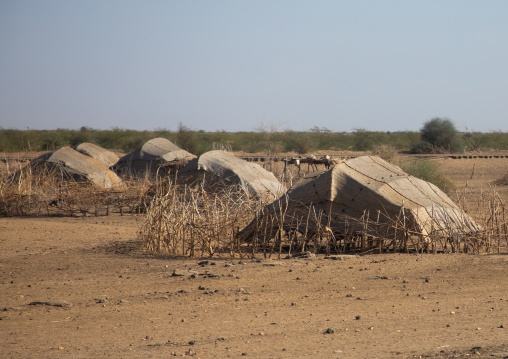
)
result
[(85, 288)]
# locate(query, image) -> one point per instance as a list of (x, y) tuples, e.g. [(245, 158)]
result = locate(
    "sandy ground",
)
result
[(84, 288)]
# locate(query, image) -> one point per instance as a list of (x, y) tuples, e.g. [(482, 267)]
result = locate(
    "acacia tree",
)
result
[(441, 135)]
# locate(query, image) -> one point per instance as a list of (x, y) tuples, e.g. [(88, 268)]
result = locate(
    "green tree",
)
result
[(442, 135)]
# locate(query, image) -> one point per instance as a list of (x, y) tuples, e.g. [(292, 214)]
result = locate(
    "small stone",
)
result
[(342, 257), (358, 317), (178, 273), (272, 264), (330, 331)]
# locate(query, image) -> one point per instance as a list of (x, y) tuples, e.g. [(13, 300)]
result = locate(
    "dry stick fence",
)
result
[(183, 220), (490, 212), (50, 191), (190, 221), (306, 227)]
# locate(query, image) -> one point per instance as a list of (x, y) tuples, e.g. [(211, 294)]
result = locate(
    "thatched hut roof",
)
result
[(223, 168), (151, 156), (106, 157), (79, 166), (371, 195)]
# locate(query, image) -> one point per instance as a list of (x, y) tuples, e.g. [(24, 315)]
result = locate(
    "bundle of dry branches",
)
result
[(183, 220)]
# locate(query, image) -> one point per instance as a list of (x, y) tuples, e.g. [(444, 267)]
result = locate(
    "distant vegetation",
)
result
[(437, 136)]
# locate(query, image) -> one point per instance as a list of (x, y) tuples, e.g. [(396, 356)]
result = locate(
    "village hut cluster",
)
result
[(218, 203)]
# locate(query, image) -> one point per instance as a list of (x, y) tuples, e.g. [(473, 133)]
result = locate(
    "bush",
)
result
[(186, 139), (369, 140), (298, 142), (442, 136), (429, 171), (363, 140), (386, 152), (421, 147)]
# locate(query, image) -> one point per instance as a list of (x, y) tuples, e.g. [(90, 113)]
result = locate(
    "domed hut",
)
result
[(361, 203), (220, 169), (75, 165), (106, 157), (148, 159)]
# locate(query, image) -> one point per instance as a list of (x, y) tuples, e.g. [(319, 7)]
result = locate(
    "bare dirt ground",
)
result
[(85, 288)]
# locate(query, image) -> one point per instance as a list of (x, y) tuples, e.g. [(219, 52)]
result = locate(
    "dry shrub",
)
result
[(190, 221), (386, 152)]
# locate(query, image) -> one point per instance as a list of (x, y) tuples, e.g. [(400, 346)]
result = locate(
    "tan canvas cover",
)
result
[(221, 166), (153, 154), (80, 166), (370, 189), (106, 157)]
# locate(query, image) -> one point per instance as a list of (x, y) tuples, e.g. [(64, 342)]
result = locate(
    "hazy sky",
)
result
[(233, 65)]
